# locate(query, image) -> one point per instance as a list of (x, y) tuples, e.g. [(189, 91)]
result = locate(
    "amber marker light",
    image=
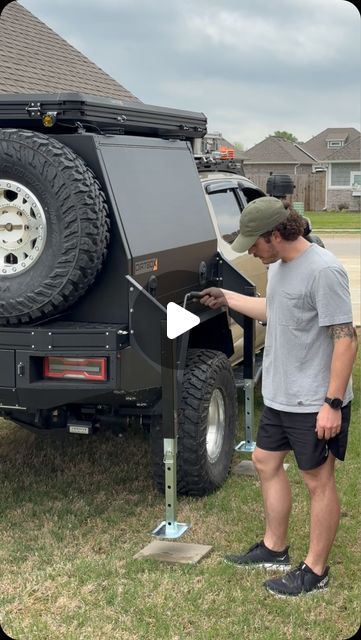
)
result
[(49, 119)]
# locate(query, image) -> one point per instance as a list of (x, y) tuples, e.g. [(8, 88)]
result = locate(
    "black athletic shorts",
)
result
[(286, 431)]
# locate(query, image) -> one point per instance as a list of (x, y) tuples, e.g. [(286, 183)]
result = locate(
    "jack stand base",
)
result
[(170, 531), (245, 446)]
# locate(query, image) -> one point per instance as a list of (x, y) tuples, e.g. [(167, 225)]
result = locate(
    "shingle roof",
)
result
[(317, 145), (351, 152), (33, 58), (273, 149)]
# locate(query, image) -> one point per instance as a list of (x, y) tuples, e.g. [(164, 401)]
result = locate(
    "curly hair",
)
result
[(289, 229)]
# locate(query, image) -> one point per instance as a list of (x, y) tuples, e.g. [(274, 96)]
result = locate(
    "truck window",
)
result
[(227, 212), (251, 193)]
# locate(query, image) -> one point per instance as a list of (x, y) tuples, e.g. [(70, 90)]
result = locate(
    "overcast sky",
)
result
[(252, 66)]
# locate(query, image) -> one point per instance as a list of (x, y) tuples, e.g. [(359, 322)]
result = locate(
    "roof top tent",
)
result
[(70, 112)]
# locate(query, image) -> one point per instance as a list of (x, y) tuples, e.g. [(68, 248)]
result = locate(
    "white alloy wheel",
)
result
[(22, 228), (215, 425)]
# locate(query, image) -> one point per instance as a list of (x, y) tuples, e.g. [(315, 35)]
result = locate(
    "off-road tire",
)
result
[(207, 372), (74, 208)]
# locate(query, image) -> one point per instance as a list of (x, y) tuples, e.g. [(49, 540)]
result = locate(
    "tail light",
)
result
[(75, 368)]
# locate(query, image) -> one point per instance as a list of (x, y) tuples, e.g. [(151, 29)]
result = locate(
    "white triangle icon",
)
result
[(179, 320)]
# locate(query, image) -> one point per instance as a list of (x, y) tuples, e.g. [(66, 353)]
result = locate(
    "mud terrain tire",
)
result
[(206, 426)]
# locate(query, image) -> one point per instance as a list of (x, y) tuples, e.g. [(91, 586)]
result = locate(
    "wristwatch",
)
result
[(335, 403)]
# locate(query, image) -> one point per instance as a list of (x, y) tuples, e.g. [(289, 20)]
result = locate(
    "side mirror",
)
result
[(307, 226)]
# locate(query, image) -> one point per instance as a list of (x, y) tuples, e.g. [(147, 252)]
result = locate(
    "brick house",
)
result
[(338, 152), (326, 168), (33, 58), (279, 156), (276, 155)]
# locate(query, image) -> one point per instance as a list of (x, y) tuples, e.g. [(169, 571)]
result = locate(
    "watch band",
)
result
[(334, 403)]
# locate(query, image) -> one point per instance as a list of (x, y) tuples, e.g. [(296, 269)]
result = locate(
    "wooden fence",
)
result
[(310, 188)]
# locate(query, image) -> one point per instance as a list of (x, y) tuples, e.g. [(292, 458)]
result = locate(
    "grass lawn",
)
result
[(73, 513), (335, 220)]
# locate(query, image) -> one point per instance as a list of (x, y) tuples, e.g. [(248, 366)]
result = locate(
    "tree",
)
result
[(286, 135), (239, 146)]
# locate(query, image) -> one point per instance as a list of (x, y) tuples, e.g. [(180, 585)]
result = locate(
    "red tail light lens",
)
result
[(75, 368)]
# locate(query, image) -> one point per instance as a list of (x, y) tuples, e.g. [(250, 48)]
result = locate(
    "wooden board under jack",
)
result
[(173, 552)]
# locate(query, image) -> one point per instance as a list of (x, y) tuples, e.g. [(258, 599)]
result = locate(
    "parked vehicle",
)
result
[(103, 222)]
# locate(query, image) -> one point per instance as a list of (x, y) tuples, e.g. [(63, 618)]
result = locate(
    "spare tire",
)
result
[(53, 226)]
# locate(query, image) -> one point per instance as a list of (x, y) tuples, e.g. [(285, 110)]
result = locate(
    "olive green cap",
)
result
[(258, 217)]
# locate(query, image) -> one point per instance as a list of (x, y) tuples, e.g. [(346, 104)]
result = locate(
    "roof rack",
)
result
[(210, 163)]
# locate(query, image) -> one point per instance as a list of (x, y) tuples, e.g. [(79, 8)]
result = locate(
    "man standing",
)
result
[(309, 352)]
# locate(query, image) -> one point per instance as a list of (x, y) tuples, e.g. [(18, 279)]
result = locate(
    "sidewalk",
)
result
[(347, 248)]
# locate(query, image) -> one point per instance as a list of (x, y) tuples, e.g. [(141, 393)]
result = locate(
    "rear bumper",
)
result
[(22, 352)]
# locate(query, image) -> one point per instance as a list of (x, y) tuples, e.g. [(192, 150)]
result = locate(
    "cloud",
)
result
[(252, 66)]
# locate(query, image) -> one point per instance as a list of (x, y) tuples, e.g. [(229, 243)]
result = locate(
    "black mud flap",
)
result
[(8, 395)]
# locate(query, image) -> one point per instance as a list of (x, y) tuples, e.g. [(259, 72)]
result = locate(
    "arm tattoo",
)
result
[(338, 331)]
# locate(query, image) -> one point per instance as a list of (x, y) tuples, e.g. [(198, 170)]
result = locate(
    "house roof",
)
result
[(350, 152), (317, 146), (33, 58), (277, 150)]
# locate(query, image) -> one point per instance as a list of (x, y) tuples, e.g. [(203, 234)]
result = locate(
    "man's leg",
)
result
[(312, 574), (272, 551), (276, 493), (325, 513)]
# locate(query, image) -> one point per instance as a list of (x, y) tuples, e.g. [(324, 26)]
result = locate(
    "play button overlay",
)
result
[(179, 320), (169, 308)]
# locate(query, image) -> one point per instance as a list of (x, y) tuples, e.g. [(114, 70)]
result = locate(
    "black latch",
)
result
[(33, 109), (21, 369)]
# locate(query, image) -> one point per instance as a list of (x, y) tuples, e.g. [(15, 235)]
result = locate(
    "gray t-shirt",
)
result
[(304, 297)]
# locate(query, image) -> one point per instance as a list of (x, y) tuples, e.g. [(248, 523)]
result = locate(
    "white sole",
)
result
[(303, 594), (269, 566)]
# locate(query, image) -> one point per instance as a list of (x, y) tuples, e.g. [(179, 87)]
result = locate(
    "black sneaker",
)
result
[(260, 556), (298, 581)]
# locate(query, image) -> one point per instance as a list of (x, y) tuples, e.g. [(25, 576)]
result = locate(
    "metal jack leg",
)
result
[(248, 445), (170, 528)]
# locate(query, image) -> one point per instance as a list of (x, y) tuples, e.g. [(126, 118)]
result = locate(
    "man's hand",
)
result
[(328, 423), (213, 298)]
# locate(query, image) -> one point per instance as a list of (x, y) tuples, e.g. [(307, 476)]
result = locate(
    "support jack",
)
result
[(246, 467), (248, 445), (170, 529)]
